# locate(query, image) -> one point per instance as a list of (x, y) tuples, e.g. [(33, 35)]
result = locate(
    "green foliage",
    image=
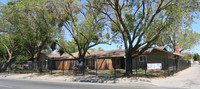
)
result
[(34, 23), (186, 38), (188, 55), (5, 40), (61, 51), (53, 46), (196, 57), (10, 47), (98, 49), (23, 57), (67, 46)]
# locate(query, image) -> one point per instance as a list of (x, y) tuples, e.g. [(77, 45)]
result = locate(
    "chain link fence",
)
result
[(70, 68)]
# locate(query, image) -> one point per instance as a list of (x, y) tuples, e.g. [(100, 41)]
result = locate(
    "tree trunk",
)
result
[(83, 66), (37, 65), (33, 65), (129, 63), (4, 66)]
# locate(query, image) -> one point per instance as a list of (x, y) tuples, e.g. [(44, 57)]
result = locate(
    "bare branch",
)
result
[(7, 49)]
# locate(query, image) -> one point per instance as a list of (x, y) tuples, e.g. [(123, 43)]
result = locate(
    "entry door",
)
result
[(122, 63)]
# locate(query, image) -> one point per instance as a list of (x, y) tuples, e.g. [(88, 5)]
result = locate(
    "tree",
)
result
[(10, 47), (66, 46), (98, 49), (140, 22), (186, 38), (85, 26), (187, 55), (35, 22), (196, 57)]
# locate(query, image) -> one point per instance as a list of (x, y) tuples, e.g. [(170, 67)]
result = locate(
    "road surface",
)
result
[(30, 84)]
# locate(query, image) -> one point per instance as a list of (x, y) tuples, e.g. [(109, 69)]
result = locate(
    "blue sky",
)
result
[(195, 27), (4, 1)]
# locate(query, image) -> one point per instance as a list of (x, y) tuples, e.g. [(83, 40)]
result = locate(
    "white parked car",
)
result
[(196, 61)]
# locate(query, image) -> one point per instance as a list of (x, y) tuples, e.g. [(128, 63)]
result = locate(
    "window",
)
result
[(142, 58), (91, 62)]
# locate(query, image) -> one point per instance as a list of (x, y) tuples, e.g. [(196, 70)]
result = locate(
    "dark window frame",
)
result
[(144, 58)]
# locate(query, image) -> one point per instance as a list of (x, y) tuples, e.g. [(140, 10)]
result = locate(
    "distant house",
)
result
[(108, 60)]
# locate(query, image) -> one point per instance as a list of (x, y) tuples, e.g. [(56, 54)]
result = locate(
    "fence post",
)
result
[(168, 67), (115, 69), (173, 66), (32, 65), (177, 64), (47, 65), (40, 66), (51, 67), (96, 66), (74, 68), (136, 68), (164, 65), (15, 66), (23, 69), (145, 68), (180, 65), (190, 64), (63, 67)]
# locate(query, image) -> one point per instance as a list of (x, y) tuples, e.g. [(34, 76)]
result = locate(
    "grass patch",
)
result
[(101, 73), (140, 73), (19, 71), (112, 73)]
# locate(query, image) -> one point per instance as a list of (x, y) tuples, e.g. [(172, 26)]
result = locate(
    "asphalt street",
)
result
[(30, 84)]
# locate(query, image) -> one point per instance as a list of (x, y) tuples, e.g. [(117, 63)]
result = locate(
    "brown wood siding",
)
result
[(170, 55), (68, 65), (104, 64), (155, 56)]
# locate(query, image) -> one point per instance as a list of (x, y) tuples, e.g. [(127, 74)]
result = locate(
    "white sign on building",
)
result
[(154, 66)]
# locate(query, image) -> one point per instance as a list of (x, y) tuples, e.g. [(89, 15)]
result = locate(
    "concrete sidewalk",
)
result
[(88, 79), (188, 78)]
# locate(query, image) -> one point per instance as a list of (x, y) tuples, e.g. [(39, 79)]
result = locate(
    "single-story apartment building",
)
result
[(101, 60), (108, 60)]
